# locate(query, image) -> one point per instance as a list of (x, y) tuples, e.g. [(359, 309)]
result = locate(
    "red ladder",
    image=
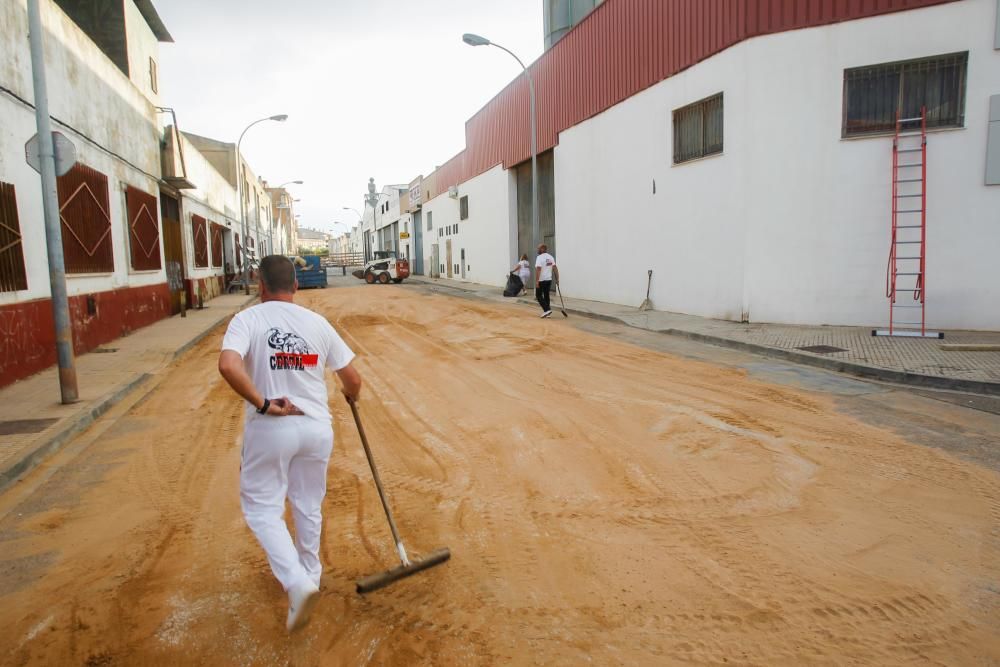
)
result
[(905, 272)]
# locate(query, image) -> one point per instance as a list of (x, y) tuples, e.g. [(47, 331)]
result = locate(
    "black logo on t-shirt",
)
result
[(293, 352)]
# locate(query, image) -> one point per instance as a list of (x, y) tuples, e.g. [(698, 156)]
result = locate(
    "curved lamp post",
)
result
[(478, 40), (239, 192)]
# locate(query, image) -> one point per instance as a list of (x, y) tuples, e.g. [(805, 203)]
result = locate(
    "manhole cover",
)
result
[(105, 350), (22, 426), (821, 349)]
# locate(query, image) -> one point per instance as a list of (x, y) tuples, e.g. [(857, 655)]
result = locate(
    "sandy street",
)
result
[(604, 504)]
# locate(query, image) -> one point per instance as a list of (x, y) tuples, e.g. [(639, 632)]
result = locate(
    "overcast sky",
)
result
[(372, 87)]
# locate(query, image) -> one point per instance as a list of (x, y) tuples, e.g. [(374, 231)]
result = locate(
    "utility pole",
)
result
[(50, 207)]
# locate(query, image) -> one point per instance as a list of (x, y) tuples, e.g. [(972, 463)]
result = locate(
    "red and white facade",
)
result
[(790, 221), (141, 222), (110, 206)]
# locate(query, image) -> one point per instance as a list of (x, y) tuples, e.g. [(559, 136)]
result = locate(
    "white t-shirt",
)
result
[(523, 270), (286, 349), (545, 262)]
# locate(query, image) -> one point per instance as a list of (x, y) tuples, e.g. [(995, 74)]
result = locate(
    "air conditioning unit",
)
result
[(453, 191)]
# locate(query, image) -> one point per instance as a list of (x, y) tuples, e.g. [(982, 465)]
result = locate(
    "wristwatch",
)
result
[(263, 408)]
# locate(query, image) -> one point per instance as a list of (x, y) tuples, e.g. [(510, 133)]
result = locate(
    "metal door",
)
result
[(463, 263), (435, 267), (447, 256), (418, 246), (173, 249)]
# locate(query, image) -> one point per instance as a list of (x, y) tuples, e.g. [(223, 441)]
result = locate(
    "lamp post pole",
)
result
[(239, 191), (477, 40), (372, 199), (50, 207)]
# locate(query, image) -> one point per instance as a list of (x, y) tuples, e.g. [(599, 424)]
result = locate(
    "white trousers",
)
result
[(286, 456)]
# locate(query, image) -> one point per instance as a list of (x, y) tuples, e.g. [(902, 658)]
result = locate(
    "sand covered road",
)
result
[(604, 504)]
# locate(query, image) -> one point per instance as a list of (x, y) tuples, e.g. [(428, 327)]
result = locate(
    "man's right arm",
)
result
[(340, 359), (351, 381)]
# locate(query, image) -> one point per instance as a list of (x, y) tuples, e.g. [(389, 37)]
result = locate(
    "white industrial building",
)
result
[(752, 171)]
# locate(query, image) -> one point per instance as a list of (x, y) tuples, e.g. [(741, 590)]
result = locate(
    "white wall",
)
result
[(485, 235), (791, 222), (213, 199), (142, 45), (115, 118)]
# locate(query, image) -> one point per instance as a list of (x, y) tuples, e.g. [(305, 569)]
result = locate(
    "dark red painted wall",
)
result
[(193, 286), (27, 338), (621, 48)]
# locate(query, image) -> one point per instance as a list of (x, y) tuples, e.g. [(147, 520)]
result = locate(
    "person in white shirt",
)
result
[(274, 355), (523, 270), (545, 271)]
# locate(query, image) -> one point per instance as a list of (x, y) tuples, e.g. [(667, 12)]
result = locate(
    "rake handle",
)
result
[(378, 483)]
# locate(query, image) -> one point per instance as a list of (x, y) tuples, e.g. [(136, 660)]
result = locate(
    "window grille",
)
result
[(698, 129), (153, 79), (216, 245), (873, 94), (143, 229), (85, 214), (12, 273), (199, 233)]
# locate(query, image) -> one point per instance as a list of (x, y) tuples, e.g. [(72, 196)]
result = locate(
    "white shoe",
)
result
[(547, 313), (301, 600)]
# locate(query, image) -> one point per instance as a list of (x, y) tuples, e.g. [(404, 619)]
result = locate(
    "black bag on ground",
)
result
[(514, 285)]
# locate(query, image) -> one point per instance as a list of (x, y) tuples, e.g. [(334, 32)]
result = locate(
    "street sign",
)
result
[(64, 149)]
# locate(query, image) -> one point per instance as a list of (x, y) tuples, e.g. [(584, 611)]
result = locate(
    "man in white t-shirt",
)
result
[(274, 355), (545, 271)]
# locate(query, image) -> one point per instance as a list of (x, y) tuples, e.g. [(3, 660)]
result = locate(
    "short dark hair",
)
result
[(277, 273)]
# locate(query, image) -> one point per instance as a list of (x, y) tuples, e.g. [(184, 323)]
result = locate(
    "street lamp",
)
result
[(477, 40), (239, 192)]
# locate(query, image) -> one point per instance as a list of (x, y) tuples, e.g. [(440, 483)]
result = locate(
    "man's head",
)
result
[(277, 276), (542, 248)]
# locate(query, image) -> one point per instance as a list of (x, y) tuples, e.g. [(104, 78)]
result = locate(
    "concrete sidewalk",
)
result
[(921, 362), (33, 423)]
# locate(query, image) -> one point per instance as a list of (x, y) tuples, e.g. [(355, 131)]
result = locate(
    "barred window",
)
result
[(85, 214), (875, 93), (153, 78), (698, 129), (199, 233), (143, 229), (12, 273), (217, 245), (463, 208)]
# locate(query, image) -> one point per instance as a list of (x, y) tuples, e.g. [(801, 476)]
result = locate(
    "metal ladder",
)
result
[(905, 273)]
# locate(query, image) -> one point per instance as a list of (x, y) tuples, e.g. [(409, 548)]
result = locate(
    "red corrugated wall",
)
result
[(623, 47)]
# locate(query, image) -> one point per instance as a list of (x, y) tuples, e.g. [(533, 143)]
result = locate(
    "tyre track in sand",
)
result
[(604, 503)]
